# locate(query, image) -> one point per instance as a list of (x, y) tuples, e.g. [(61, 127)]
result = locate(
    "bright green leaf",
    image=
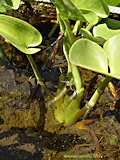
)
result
[(112, 48), (97, 6), (104, 32), (90, 16), (89, 55), (20, 34)]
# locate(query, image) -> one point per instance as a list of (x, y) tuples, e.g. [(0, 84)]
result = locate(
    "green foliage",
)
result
[(20, 34), (80, 10), (113, 2), (96, 50), (104, 32), (112, 23), (112, 48), (90, 55), (90, 16), (97, 6), (3, 6), (9, 4), (67, 9), (14, 4)]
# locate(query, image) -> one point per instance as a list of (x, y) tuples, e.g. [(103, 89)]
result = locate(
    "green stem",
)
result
[(35, 70), (89, 27), (77, 78), (66, 53), (59, 19), (53, 30), (69, 33), (74, 69), (88, 107), (76, 27)]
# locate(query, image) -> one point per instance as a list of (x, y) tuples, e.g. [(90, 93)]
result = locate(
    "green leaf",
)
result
[(9, 4), (99, 7), (90, 16), (89, 55), (14, 4), (112, 23), (113, 2), (104, 32), (20, 34), (87, 34), (2, 6), (112, 49), (68, 10)]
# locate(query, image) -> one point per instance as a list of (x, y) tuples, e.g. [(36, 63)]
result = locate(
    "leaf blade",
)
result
[(89, 55), (112, 48), (20, 33)]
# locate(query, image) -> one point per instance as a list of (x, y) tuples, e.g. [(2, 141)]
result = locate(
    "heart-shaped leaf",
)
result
[(103, 31), (99, 7), (89, 55), (112, 48), (20, 34)]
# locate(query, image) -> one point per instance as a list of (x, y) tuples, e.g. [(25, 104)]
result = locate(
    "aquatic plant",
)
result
[(96, 49), (91, 43)]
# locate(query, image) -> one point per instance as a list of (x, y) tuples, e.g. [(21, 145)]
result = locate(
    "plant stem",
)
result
[(69, 33), (35, 70), (89, 27), (53, 30), (66, 53), (59, 19), (77, 79), (73, 68), (76, 27), (101, 86)]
